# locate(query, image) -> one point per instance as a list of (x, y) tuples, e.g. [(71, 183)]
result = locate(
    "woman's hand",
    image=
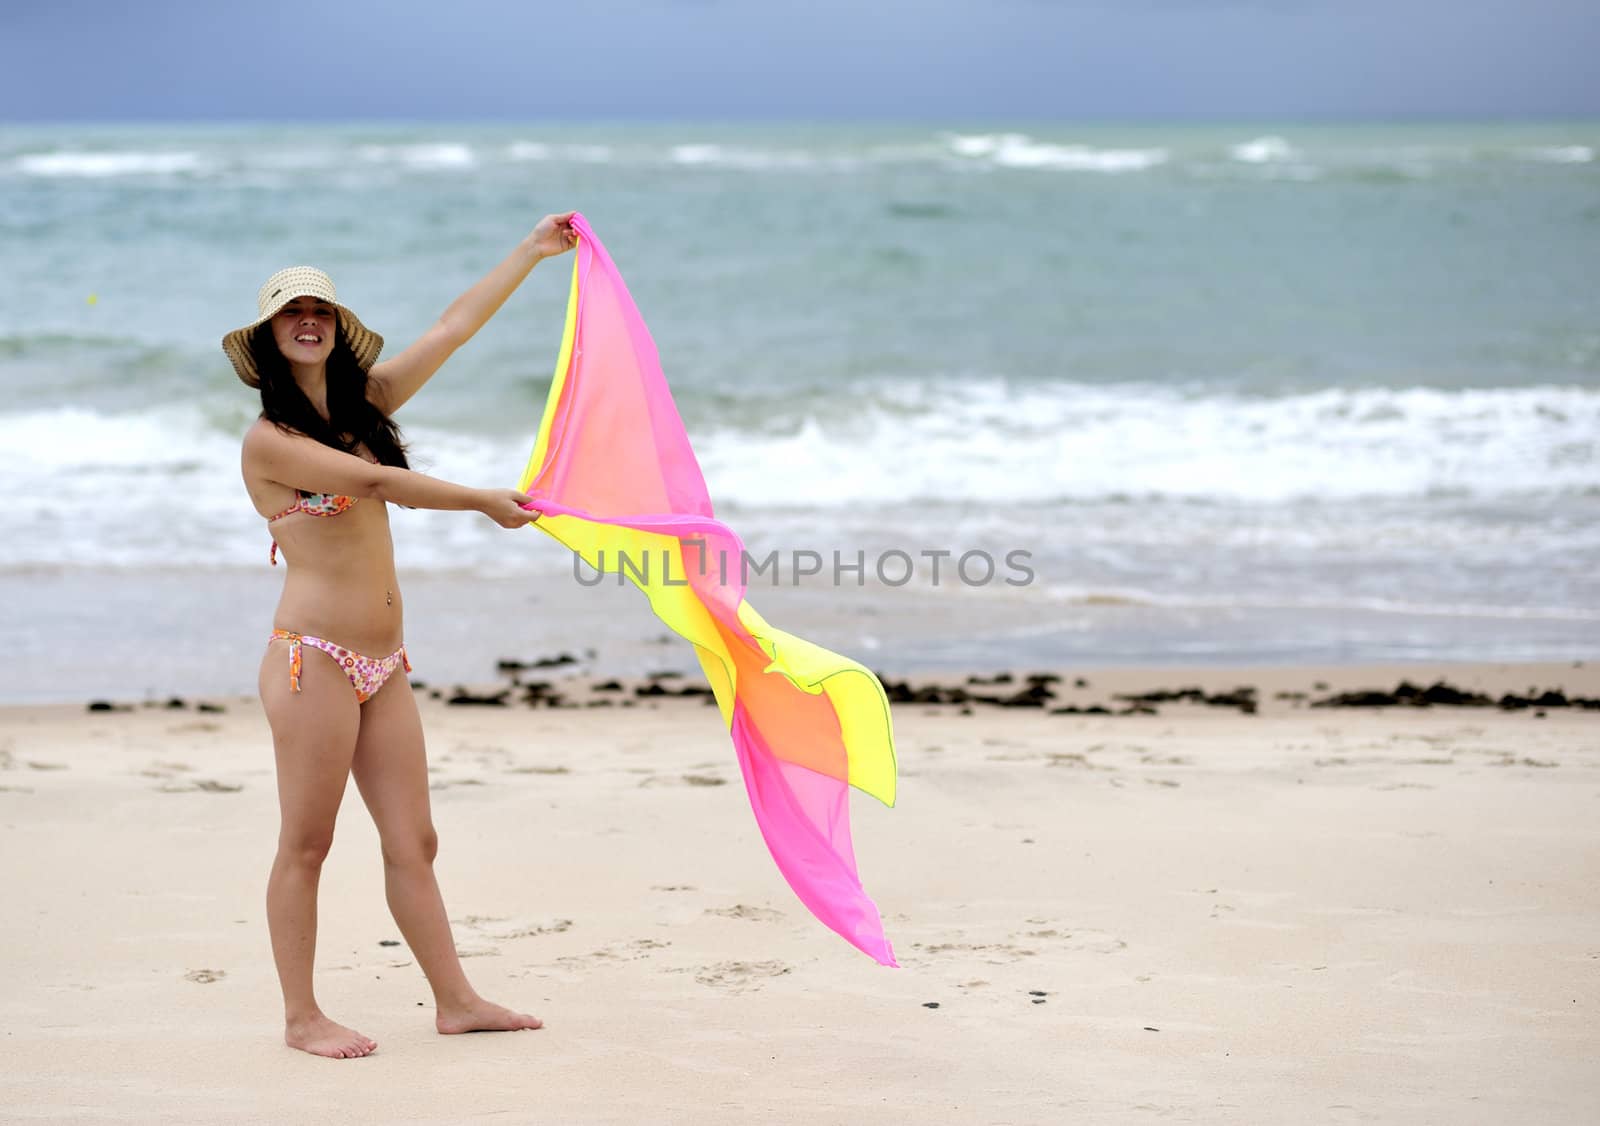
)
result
[(504, 507), (554, 235)]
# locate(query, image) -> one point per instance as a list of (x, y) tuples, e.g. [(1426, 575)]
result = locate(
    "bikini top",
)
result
[(312, 504), (315, 504)]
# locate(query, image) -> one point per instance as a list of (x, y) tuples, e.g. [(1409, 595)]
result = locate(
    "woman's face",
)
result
[(304, 330)]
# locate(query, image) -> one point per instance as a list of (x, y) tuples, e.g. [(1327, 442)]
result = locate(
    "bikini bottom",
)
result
[(366, 674)]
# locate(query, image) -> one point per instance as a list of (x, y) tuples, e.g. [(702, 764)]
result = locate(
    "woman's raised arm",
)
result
[(401, 377)]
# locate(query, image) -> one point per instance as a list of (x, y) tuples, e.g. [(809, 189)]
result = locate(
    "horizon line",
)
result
[(949, 121)]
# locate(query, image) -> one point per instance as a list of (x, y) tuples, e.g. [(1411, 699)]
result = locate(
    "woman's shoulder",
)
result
[(259, 433), (264, 439), (264, 442)]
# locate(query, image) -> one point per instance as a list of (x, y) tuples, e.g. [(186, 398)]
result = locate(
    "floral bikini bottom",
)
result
[(366, 674)]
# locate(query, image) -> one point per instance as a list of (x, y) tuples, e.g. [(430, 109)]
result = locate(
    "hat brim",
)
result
[(363, 342)]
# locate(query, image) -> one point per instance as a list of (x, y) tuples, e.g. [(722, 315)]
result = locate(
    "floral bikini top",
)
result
[(312, 504)]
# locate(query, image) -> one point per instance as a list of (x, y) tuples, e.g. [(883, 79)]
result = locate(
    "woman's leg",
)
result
[(391, 770), (313, 737)]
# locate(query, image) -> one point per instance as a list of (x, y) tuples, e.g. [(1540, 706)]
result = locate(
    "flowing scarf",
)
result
[(616, 481)]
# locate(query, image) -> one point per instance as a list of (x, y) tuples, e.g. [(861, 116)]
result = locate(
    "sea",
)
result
[(1220, 394)]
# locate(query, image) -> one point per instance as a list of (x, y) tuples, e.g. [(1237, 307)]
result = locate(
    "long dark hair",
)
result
[(353, 419)]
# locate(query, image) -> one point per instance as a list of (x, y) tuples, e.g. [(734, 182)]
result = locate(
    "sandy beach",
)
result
[(1199, 915)]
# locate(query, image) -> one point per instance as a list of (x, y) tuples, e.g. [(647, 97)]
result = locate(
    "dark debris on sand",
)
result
[(655, 688), (174, 704), (513, 666), (1035, 691), (1003, 689), (463, 698), (1443, 694)]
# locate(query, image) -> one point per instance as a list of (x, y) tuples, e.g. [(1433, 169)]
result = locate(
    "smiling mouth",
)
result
[(308, 338)]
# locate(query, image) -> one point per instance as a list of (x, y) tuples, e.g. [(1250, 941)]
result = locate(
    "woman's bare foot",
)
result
[(479, 1015), (323, 1037)]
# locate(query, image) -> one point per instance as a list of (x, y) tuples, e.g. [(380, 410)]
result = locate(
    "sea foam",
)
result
[(1263, 150), (988, 441), (1561, 154), (442, 155), (105, 164), (1119, 486), (1018, 150)]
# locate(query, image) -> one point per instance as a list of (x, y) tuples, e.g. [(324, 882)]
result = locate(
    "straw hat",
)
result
[(282, 288)]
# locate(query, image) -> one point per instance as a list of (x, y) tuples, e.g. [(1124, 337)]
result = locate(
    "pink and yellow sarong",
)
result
[(615, 478)]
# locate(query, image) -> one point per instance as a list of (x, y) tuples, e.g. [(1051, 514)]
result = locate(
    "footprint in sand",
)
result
[(744, 911), (1026, 943), (1072, 938), (634, 951), (991, 953), (204, 977), (684, 780), (167, 772), (739, 977), (450, 783), (502, 928), (1073, 759), (531, 930), (201, 786)]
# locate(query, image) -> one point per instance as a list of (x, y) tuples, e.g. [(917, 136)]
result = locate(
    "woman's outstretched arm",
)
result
[(401, 377), (304, 463)]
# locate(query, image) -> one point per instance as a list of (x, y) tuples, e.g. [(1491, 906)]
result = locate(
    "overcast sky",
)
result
[(822, 59)]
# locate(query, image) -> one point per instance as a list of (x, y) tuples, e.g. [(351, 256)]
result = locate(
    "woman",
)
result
[(320, 465)]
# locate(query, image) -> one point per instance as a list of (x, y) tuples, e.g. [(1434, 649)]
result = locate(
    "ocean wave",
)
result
[(1275, 158), (1263, 150), (66, 345), (99, 165), (523, 151), (696, 154), (1018, 150), (441, 155), (1055, 442), (897, 440), (748, 159), (1419, 474), (266, 161), (1080, 597), (1560, 154)]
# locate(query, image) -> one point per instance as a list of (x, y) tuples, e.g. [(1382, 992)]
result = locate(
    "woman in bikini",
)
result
[(320, 465)]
